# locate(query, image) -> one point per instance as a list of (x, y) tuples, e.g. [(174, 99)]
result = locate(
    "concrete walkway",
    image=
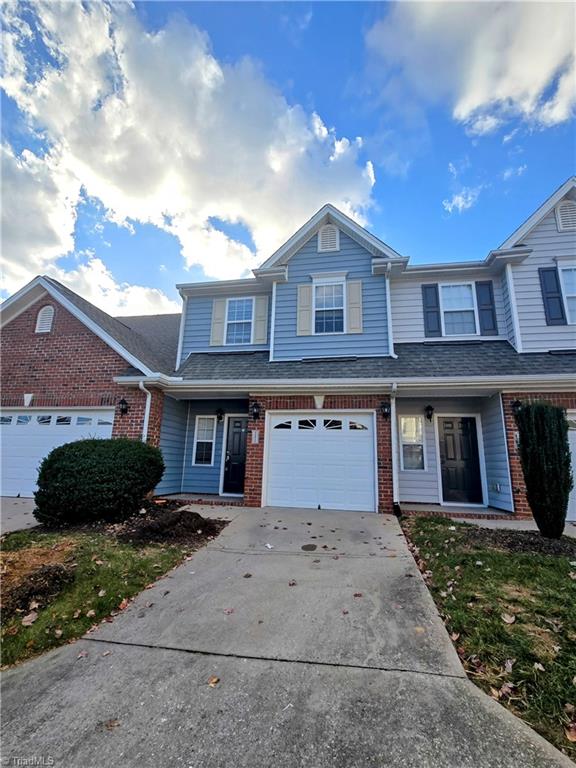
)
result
[(16, 514), (514, 525), (332, 657)]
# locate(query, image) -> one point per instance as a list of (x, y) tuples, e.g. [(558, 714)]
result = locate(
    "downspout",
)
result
[(394, 440), (146, 410)]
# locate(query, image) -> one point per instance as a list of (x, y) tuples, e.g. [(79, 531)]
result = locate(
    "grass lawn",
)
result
[(511, 616), (102, 572)]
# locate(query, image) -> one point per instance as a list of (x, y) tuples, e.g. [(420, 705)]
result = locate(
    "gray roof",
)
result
[(152, 339), (437, 359)]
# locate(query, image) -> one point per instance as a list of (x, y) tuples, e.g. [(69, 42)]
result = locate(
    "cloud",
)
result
[(160, 131), (510, 173), (462, 200), (491, 61)]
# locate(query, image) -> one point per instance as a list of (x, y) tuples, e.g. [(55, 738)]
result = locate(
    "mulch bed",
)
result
[(519, 541)]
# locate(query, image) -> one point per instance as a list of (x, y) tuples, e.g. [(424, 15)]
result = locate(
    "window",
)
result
[(568, 281), (412, 442), (204, 435), (332, 424), (64, 421), (239, 321), (328, 238), (307, 424), (83, 421), (284, 425), (44, 319), (5, 419), (458, 309), (357, 426), (23, 419), (44, 420), (104, 421), (329, 308)]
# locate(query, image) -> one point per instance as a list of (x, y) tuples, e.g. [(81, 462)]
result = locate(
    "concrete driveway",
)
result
[(328, 650), (16, 514)]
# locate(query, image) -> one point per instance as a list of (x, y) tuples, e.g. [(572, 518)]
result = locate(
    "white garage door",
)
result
[(321, 459), (26, 437), (571, 514)]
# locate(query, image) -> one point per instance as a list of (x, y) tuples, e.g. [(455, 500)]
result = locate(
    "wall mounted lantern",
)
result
[(123, 407), (385, 409), (219, 414), (516, 407), (255, 411), (429, 411)]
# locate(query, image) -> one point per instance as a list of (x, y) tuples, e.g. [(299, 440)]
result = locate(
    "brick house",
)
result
[(339, 376)]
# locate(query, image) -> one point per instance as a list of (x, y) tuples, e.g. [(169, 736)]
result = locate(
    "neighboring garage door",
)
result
[(571, 514), (321, 459), (26, 437)]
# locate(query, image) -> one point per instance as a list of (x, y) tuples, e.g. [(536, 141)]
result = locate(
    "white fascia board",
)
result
[(14, 305), (539, 214), (248, 285)]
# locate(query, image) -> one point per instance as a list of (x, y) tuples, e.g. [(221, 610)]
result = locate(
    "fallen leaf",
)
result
[(228, 611), (569, 708), (451, 527), (509, 663), (269, 546), (91, 613), (344, 612), (539, 666), (247, 575), (419, 630), (507, 618), (292, 583), (123, 604), (213, 681), (495, 693), (82, 655), (358, 594), (58, 632), (506, 689), (454, 636), (571, 732), (29, 619), (111, 724), (106, 653), (479, 562), (102, 593), (33, 605), (76, 614)]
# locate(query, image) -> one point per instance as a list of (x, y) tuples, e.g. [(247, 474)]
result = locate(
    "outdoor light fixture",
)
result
[(255, 411), (429, 411), (123, 407), (516, 406), (385, 409), (219, 414)]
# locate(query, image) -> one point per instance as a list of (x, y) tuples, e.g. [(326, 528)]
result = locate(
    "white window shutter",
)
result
[(44, 319), (354, 306), (566, 216), (260, 319), (218, 322), (328, 238), (304, 311)]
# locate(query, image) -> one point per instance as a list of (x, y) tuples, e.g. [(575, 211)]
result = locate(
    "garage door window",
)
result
[(104, 422), (44, 420), (307, 424), (356, 425), (204, 440), (332, 424), (5, 419), (23, 419), (284, 425), (64, 421), (412, 442), (84, 421)]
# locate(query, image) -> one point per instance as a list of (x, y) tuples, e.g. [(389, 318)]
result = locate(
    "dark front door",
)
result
[(459, 459), (235, 459)]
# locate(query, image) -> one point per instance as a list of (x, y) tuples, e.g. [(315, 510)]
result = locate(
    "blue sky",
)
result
[(174, 142)]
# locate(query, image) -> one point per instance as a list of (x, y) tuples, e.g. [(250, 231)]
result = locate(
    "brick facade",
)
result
[(255, 453), (70, 367), (564, 400)]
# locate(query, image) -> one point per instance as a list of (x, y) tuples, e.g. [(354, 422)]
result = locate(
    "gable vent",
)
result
[(329, 238), (566, 216), (44, 319)]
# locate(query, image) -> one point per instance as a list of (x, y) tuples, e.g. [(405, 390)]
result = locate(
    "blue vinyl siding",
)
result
[(497, 475), (205, 479), (198, 323), (356, 261), (172, 439)]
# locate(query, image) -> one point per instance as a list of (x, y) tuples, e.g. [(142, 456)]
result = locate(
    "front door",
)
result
[(459, 460), (235, 460)]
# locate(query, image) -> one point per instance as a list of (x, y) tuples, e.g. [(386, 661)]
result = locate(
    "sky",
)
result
[(150, 144)]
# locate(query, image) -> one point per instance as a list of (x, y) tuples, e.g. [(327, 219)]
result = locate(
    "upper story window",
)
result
[(458, 309), (566, 216), (329, 308), (412, 443), (239, 315), (328, 238), (44, 319), (568, 282)]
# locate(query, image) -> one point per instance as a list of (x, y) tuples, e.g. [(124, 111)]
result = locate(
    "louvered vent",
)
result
[(44, 319), (566, 216), (328, 238)]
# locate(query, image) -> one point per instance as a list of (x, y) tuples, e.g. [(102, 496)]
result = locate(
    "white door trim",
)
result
[(227, 418), (481, 458)]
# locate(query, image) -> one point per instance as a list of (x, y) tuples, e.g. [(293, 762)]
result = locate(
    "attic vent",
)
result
[(44, 319), (328, 238), (566, 216)]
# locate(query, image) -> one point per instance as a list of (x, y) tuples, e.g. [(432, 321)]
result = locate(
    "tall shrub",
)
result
[(545, 456), (91, 480)]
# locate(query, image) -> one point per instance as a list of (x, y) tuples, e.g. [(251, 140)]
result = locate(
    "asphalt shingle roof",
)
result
[(466, 359)]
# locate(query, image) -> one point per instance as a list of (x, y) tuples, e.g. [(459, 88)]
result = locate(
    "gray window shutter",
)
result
[(260, 319), (304, 311), (218, 322), (354, 306), (552, 296), (431, 305), (486, 308)]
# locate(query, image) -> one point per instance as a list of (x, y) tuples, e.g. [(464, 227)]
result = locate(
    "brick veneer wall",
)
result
[(255, 453), (69, 367), (563, 399)]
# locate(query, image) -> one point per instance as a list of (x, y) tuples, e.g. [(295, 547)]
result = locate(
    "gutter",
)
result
[(146, 409)]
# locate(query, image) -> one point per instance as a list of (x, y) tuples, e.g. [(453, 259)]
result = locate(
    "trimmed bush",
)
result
[(93, 480), (545, 456)]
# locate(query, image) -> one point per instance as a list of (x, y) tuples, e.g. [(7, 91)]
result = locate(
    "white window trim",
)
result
[(463, 309), (565, 294), (329, 250), (214, 420), (240, 343), (330, 280), (401, 443)]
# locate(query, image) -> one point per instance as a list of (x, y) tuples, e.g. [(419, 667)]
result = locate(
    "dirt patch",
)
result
[(517, 593), (519, 541), (17, 565), (545, 642), (171, 526)]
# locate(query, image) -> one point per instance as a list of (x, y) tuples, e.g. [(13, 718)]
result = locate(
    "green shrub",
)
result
[(96, 480), (545, 457)]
